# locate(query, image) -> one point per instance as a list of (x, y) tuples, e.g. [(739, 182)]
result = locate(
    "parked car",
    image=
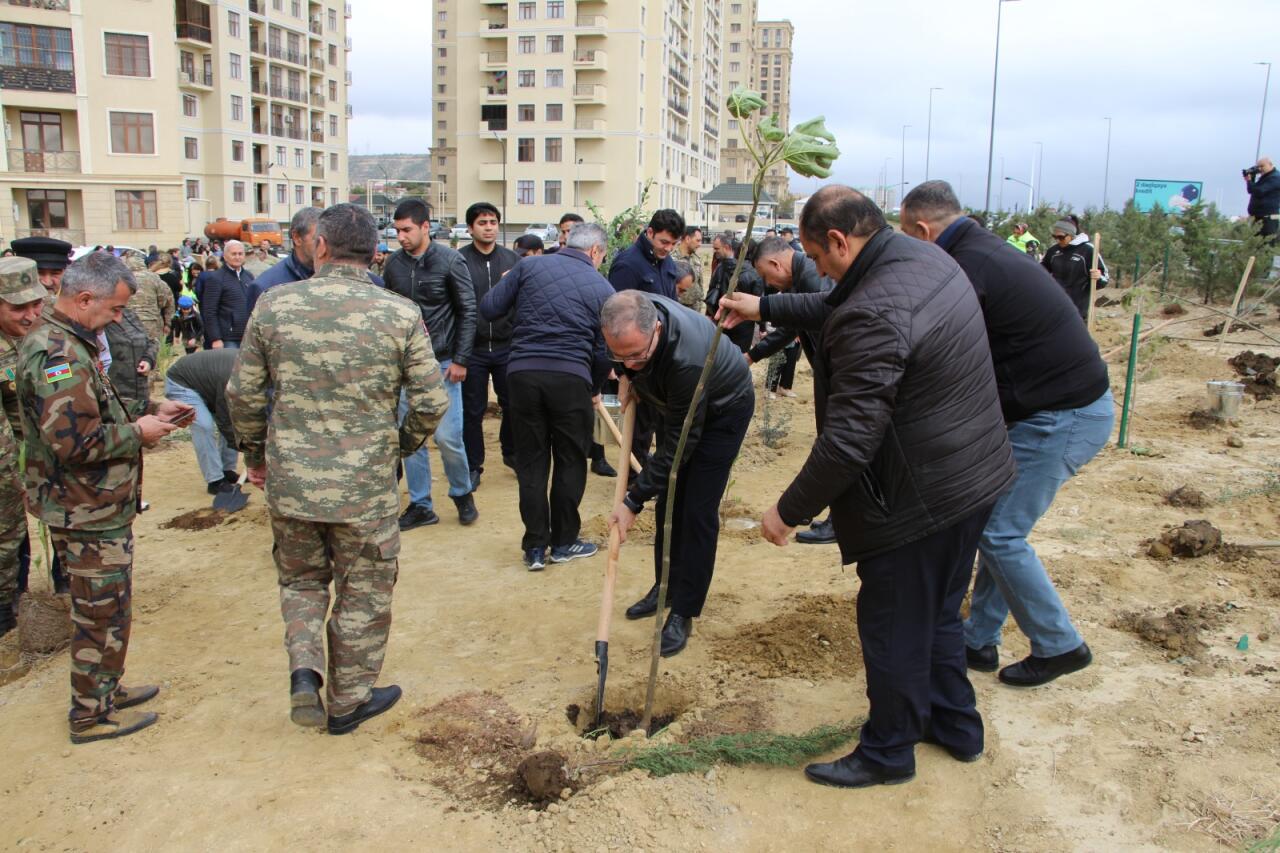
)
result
[(460, 232), (389, 232), (439, 231), (548, 233)]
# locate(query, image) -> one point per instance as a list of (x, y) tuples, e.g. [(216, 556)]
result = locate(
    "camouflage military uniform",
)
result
[(693, 297), (337, 350), (83, 456), (153, 301)]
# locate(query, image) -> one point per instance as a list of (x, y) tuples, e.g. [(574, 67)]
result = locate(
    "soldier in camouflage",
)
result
[(21, 300), (153, 303), (337, 350), (83, 452), (687, 251)]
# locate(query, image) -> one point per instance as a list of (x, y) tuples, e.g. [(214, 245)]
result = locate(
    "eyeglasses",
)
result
[(641, 356), (1061, 237)]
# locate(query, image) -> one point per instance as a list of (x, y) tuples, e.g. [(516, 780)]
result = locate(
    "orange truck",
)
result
[(253, 232)]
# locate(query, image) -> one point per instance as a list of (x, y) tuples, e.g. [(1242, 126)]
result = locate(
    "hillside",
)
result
[(412, 167)]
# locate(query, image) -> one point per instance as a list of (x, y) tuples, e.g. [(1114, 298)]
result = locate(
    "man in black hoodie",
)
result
[(1056, 401), (488, 263)]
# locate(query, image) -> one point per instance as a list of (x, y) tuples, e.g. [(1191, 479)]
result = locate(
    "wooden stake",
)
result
[(1235, 304), (1093, 285)]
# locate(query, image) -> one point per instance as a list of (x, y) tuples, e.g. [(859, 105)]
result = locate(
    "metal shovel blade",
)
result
[(233, 499), (602, 668)]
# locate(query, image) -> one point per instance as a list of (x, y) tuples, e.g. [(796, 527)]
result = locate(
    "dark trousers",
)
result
[(695, 519), (56, 575), (1270, 228), (555, 416), (483, 366), (913, 646)]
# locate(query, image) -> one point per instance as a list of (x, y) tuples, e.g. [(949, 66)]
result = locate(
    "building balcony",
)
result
[(590, 60), (34, 160), (493, 60), (591, 172), (284, 54), (198, 33), (258, 87), (595, 23), (493, 94), (494, 26), (57, 76), (586, 127), (257, 47), (260, 127), (679, 76), (52, 5), (74, 236), (317, 63), (317, 136), (287, 131), (347, 12), (317, 99), (202, 80), (589, 93), (488, 126), (679, 106), (288, 93), (316, 27), (257, 7), (317, 172), (350, 111), (347, 44), (261, 168)]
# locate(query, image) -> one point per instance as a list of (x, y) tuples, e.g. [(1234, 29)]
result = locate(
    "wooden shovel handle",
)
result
[(618, 437), (615, 543)]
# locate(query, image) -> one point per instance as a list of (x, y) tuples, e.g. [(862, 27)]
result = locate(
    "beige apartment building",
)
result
[(133, 122), (554, 103)]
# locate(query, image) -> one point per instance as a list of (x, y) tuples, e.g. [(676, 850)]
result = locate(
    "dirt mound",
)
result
[(477, 741), (544, 775), (1185, 496), (1192, 539), (1205, 419), (814, 637), (1217, 330), (197, 519), (731, 718), (1259, 373), (1177, 632), (1173, 309), (596, 529)]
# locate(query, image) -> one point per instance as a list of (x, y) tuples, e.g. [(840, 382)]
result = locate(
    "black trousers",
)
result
[(481, 367), (913, 646), (56, 575), (555, 416), (1270, 228), (695, 519)]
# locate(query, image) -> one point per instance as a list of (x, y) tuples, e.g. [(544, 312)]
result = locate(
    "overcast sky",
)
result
[(1176, 77)]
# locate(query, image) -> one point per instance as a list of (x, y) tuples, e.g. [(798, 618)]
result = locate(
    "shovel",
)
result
[(615, 545), (233, 499)]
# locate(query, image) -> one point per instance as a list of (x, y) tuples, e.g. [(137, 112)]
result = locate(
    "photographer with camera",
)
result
[(1263, 186)]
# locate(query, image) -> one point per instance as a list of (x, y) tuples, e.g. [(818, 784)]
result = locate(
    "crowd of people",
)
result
[(956, 389)]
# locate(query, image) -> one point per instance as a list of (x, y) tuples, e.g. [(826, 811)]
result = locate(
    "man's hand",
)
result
[(216, 345), (747, 356), (455, 373), (595, 400), (1095, 275), (171, 410), (741, 308), (191, 342), (774, 529), (622, 518), (143, 368), (257, 476), (153, 429)]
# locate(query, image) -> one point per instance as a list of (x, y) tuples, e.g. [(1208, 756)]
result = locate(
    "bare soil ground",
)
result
[(1172, 726)]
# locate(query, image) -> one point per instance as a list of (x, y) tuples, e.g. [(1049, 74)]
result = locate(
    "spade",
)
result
[(615, 545), (232, 498)]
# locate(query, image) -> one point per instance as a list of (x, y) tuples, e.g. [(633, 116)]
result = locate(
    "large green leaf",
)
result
[(810, 149), (743, 102), (770, 130)]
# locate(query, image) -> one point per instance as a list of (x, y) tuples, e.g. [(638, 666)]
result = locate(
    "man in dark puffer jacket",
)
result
[(911, 455)]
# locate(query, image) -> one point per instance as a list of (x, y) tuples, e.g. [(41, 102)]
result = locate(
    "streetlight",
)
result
[(503, 230), (928, 136), (991, 135), (1262, 119), (902, 186), (1106, 171), (1039, 180), (1030, 190)]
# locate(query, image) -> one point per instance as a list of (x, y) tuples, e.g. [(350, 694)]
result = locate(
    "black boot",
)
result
[(382, 700), (1032, 671), (675, 634), (819, 533), (852, 772), (304, 698), (648, 605), (467, 512)]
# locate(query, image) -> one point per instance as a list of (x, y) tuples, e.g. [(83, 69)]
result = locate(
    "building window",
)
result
[(333, 54), (525, 44), (333, 125), (237, 150), (282, 156), (190, 106), (555, 44), (235, 67), (333, 161), (551, 193), (127, 55), (733, 143), (41, 132), (298, 194), (555, 78), (524, 192), (282, 194), (442, 16), (237, 192), (731, 163), (440, 106), (525, 112), (764, 71), (441, 35), (442, 125), (735, 28), (555, 9), (333, 89), (193, 189), (333, 195), (735, 47), (136, 210), (736, 8), (733, 124), (442, 70), (233, 24), (528, 11), (442, 52), (47, 208), (333, 19), (278, 5), (555, 112), (45, 48), (191, 148), (133, 133), (777, 85), (297, 158), (237, 108), (554, 149), (735, 67), (444, 161), (777, 38), (525, 79), (777, 59), (524, 150), (439, 88)]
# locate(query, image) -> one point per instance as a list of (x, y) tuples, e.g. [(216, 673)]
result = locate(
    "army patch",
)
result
[(8, 374), (57, 373)]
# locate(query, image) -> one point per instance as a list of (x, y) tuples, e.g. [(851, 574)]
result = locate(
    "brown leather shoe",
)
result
[(114, 725), (127, 697)]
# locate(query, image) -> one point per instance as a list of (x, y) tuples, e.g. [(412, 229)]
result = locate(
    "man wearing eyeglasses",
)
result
[(1071, 264), (661, 346)]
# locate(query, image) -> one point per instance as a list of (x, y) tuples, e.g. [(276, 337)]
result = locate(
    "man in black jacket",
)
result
[(647, 264), (911, 456), (727, 248), (224, 304), (556, 366), (661, 347), (437, 279), (1263, 185), (487, 263), (1071, 265), (1056, 401)]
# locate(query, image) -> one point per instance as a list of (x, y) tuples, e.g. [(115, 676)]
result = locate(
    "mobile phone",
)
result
[(182, 419)]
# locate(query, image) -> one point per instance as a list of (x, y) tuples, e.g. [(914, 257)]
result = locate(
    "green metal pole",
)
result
[(1128, 383), (1164, 281)]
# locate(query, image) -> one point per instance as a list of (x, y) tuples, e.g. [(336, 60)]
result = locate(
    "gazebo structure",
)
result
[(737, 196)]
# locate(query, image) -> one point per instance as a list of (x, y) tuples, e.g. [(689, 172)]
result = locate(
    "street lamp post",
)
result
[(991, 135), (1106, 170), (1039, 178), (1263, 118), (928, 135), (902, 177), (503, 230)]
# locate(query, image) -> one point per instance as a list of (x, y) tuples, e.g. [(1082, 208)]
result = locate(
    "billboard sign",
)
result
[(1172, 196)]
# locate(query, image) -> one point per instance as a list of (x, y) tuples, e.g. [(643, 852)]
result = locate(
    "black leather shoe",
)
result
[(305, 707), (675, 634), (648, 605), (417, 516), (1032, 671), (602, 468), (852, 772), (382, 700), (467, 512), (820, 533), (966, 757), (985, 659)]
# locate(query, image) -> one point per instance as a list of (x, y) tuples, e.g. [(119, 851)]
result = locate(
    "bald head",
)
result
[(1265, 165)]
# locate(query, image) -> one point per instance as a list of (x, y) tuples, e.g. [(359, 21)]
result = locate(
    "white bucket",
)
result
[(1225, 398)]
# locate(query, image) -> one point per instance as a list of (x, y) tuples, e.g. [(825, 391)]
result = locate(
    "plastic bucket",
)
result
[(1225, 398)]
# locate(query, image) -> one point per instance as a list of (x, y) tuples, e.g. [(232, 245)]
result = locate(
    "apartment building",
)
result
[(135, 122), (773, 81), (548, 104)]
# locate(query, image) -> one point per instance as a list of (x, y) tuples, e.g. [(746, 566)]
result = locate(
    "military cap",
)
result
[(19, 283), (48, 252)]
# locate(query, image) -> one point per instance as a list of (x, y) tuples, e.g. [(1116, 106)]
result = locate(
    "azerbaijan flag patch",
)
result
[(57, 373)]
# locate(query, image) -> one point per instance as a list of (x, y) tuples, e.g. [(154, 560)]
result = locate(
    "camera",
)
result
[(1251, 172)]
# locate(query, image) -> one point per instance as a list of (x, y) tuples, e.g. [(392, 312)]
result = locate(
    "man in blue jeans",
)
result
[(1057, 405), (200, 380)]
